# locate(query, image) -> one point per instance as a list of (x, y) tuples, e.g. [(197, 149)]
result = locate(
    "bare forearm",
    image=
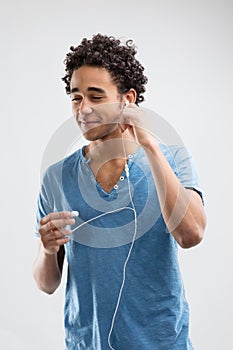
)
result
[(181, 208), (47, 268), (46, 271)]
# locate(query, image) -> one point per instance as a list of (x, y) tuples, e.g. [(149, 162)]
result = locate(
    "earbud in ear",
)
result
[(126, 103)]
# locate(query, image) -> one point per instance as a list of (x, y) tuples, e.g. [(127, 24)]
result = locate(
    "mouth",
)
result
[(88, 125)]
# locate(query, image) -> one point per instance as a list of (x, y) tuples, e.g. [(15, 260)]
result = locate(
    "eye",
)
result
[(76, 99), (96, 97)]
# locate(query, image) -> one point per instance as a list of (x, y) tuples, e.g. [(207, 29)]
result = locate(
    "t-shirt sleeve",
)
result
[(186, 171), (44, 202)]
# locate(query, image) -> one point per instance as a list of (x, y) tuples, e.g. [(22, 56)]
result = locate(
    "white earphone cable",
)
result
[(131, 246), (129, 253), (101, 215)]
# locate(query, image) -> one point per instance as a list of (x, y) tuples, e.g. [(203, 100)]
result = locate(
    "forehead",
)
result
[(86, 76)]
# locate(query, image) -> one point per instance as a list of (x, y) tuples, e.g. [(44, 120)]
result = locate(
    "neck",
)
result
[(117, 148)]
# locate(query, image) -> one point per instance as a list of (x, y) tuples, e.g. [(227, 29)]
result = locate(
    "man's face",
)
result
[(96, 103)]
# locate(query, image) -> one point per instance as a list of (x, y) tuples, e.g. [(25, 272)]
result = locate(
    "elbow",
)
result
[(43, 285), (192, 238), (46, 289), (189, 242), (193, 234)]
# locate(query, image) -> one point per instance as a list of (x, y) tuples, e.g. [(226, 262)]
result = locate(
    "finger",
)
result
[(55, 215), (55, 235), (131, 120), (131, 105), (62, 241), (53, 240), (58, 224), (135, 134), (133, 115), (53, 247)]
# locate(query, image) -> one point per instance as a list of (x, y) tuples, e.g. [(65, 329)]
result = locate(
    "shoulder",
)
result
[(173, 153), (71, 161), (176, 155)]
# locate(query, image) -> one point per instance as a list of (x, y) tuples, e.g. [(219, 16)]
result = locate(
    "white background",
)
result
[(187, 49)]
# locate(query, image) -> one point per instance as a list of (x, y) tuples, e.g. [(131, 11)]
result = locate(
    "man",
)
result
[(137, 199)]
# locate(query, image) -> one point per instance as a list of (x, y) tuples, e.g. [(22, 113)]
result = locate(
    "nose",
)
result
[(84, 107)]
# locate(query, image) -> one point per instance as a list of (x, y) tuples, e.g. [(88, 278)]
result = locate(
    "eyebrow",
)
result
[(91, 88)]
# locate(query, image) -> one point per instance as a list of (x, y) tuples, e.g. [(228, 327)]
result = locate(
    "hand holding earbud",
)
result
[(53, 230), (138, 124)]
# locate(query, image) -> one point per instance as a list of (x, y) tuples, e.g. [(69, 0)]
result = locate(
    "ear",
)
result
[(131, 95)]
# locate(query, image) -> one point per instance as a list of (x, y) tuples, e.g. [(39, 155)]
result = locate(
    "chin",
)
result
[(99, 133), (92, 134), (89, 137)]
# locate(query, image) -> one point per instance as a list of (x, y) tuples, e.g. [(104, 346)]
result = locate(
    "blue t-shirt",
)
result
[(153, 312)]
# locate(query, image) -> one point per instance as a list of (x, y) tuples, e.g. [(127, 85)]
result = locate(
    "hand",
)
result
[(53, 230), (137, 122)]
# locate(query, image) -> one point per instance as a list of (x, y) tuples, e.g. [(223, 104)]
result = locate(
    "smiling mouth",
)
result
[(87, 125)]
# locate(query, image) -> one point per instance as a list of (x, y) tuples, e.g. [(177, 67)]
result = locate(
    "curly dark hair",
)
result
[(107, 52)]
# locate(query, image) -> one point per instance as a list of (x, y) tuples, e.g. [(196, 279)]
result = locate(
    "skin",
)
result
[(99, 111)]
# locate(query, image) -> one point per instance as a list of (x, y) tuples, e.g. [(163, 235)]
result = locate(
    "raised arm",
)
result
[(182, 208)]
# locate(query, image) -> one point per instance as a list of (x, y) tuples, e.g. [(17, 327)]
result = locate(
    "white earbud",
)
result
[(75, 213), (126, 103)]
